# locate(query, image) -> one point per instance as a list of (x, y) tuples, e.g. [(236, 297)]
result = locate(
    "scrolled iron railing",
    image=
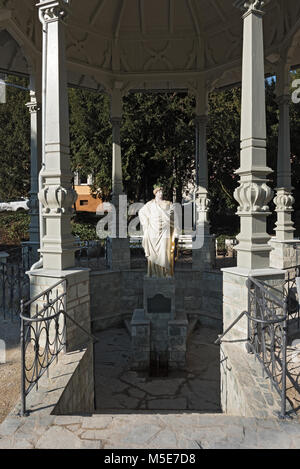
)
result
[(43, 335), (267, 333), (14, 285), (292, 293)]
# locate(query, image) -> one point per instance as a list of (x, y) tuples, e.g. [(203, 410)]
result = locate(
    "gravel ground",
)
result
[(10, 372)]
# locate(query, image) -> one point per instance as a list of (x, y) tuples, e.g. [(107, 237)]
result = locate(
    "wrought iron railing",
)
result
[(292, 294), (91, 254), (20, 255), (43, 335), (14, 285), (266, 333)]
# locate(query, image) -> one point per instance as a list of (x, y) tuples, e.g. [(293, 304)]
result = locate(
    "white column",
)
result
[(117, 180), (118, 249), (56, 195), (116, 120), (34, 108), (203, 254), (253, 194), (286, 250)]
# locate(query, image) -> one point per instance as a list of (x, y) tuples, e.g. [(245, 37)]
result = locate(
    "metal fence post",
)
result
[(23, 371), (283, 345)]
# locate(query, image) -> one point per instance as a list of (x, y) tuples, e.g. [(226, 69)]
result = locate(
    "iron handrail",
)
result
[(45, 292), (253, 345), (262, 286), (257, 320), (58, 344)]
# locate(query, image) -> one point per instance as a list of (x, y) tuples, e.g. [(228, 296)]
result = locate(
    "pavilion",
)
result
[(118, 46)]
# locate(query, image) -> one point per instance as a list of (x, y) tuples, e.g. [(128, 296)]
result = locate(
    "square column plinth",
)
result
[(159, 335), (235, 298), (205, 257), (77, 302), (118, 253), (285, 254)]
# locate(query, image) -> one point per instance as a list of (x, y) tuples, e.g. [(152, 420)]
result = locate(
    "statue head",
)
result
[(158, 192)]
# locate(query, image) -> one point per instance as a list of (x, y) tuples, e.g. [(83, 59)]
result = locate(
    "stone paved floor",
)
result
[(132, 427), (148, 431), (148, 415), (119, 388)]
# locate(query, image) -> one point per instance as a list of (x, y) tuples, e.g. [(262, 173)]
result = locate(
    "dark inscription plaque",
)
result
[(159, 304)]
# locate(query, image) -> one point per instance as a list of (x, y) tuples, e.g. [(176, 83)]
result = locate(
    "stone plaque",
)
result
[(159, 304)]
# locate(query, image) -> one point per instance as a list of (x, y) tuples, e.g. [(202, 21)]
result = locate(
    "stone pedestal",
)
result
[(158, 335), (118, 253), (285, 254), (235, 297), (77, 300), (205, 257)]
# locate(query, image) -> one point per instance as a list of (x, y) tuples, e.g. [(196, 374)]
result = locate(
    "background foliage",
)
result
[(158, 144)]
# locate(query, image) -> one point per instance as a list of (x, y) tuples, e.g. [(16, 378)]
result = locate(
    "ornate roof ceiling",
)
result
[(149, 43)]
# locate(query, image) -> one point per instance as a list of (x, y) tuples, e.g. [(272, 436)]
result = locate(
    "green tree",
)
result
[(15, 142), (90, 136), (157, 143)]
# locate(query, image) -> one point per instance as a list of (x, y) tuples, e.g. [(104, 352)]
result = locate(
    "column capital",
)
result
[(52, 10), (284, 199), (33, 106)]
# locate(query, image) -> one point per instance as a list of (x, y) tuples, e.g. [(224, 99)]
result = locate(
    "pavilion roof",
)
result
[(156, 44)]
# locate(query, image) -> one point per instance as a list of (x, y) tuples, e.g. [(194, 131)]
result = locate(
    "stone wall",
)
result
[(105, 299), (78, 394), (244, 390), (285, 255), (235, 297), (78, 300), (115, 295), (67, 389)]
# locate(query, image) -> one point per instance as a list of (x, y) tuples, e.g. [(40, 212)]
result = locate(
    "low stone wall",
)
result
[(244, 390), (105, 299), (235, 297), (77, 298), (78, 394), (69, 389), (115, 295)]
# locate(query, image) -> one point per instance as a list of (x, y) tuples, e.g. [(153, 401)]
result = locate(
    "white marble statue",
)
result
[(157, 220)]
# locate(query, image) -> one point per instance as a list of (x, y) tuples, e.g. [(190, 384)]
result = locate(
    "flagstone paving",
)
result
[(119, 388), (185, 415), (148, 431)]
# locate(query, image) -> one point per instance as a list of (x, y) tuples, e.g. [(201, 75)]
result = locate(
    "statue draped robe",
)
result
[(157, 221)]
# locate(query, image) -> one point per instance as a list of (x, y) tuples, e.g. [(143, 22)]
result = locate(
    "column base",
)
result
[(235, 297), (285, 254), (118, 253), (77, 300), (204, 258)]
